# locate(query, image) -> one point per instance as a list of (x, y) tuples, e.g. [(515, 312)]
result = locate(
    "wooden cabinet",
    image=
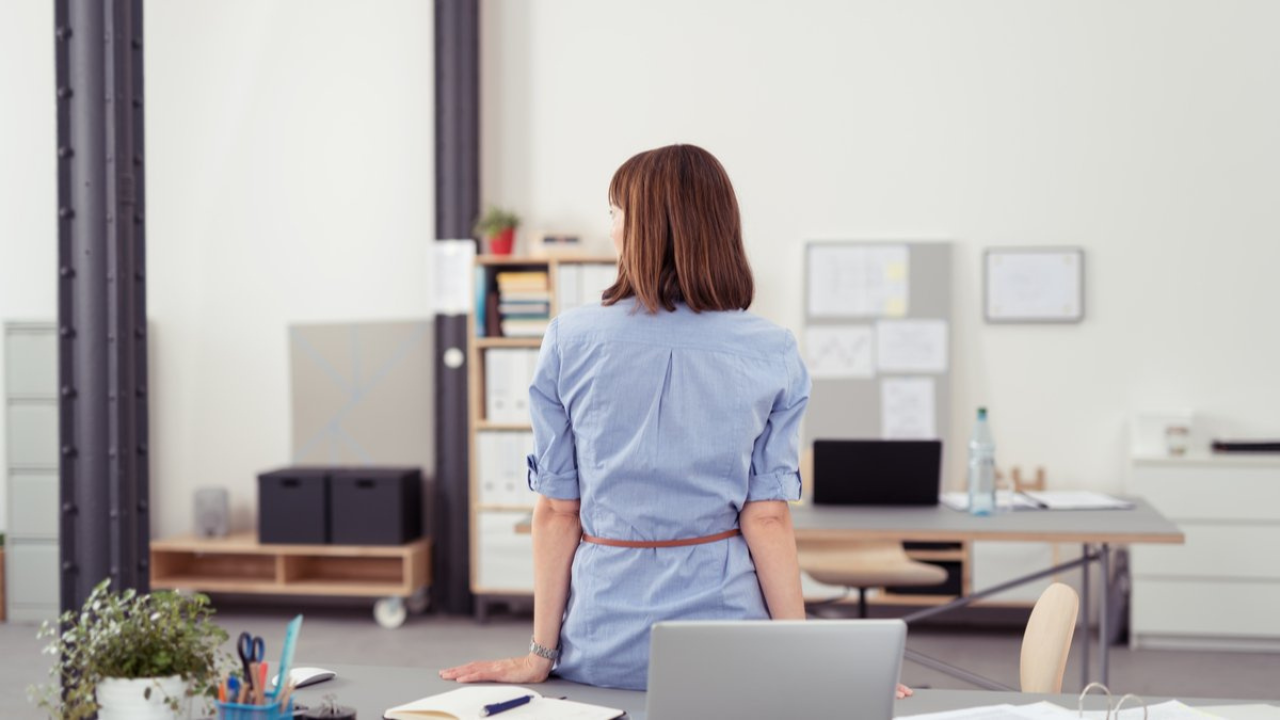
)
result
[(1220, 590)]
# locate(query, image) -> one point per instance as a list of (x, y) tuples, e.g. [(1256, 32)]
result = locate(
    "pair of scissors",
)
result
[(251, 649)]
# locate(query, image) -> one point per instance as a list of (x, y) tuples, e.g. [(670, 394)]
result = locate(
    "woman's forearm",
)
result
[(556, 533), (772, 541)]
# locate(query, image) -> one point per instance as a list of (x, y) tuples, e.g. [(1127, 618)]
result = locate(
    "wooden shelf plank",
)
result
[(530, 260), (480, 507), (486, 425), (484, 343), (317, 586), (246, 543)]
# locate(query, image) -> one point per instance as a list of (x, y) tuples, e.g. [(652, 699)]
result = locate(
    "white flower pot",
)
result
[(126, 699)]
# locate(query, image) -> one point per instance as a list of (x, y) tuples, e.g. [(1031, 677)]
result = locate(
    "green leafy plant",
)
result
[(131, 635), (495, 220)]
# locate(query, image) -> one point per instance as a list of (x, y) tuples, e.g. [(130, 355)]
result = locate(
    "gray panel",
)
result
[(33, 433), (33, 505), (32, 567), (362, 394), (850, 408), (31, 361)]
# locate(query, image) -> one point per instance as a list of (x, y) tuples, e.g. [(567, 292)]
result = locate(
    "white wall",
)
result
[(289, 159), (28, 183), (1143, 131), (290, 178)]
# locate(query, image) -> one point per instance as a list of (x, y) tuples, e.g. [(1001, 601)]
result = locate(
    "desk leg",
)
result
[(1084, 618), (1104, 644)]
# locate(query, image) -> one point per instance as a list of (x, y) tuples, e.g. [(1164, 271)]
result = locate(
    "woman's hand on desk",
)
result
[(904, 691), (527, 669)]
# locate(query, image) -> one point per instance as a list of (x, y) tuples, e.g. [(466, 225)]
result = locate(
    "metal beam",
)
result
[(101, 297), (457, 96)]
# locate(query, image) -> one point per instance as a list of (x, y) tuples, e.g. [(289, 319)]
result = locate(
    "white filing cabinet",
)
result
[(31, 451), (1220, 590)]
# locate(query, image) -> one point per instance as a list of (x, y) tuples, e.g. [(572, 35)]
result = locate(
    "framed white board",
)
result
[(1034, 285)]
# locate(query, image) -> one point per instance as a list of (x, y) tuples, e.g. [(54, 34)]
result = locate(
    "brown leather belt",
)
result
[(661, 543)]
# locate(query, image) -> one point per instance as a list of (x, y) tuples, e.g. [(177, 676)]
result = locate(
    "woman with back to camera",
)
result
[(666, 424)]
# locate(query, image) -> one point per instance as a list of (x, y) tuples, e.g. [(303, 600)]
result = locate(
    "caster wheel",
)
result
[(390, 612), (418, 603)]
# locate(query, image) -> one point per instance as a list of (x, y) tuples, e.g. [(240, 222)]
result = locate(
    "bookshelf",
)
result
[(500, 502)]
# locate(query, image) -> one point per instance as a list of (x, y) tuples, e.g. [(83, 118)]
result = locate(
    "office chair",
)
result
[(861, 564), (1047, 641)]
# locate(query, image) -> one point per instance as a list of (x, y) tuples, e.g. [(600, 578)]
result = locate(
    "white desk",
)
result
[(370, 690)]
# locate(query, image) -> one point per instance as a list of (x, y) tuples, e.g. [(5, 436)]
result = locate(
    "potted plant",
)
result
[(498, 226), (133, 655)]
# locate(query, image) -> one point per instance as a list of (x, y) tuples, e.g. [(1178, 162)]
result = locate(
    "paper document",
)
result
[(911, 346), (842, 351), (858, 280), (1005, 500), (907, 409), (469, 702), (1171, 710), (1041, 711), (452, 273), (1077, 500), (1243, 712)]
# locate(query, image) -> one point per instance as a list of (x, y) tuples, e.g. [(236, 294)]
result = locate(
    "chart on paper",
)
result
[(858, 280), (839, 351)]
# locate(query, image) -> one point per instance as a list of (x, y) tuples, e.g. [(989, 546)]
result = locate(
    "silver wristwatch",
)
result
[(543, 652)]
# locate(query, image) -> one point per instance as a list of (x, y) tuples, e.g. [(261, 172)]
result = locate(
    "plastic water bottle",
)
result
[(982, 468)]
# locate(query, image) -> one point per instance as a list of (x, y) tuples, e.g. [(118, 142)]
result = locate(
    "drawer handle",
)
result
[(365, 483), (290, 482)]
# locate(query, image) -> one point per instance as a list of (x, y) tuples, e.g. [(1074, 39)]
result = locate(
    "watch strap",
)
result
[(543, 651)]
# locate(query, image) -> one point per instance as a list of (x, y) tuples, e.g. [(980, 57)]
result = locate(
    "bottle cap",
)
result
[(982, 413)]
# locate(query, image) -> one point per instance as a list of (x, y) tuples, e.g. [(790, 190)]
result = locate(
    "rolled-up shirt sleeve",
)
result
[(775, 459), (553, 466)]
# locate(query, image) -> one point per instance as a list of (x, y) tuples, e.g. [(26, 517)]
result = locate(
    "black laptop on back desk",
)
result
[(877, 472)]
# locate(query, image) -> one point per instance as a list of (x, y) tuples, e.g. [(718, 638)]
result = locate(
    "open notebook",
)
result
[(468, 703)]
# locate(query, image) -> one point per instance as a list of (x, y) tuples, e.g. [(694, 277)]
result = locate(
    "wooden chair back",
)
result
[(1047, 641)]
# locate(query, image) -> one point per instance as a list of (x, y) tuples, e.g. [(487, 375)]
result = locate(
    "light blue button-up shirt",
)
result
[(664, 426)]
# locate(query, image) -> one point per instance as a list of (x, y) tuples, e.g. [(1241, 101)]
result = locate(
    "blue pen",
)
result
[(496, 708)]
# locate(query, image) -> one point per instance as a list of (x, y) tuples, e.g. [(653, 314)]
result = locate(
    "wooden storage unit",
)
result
[(397, 574), (501, 555)]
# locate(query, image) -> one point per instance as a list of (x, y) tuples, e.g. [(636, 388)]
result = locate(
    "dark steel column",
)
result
[(457, 57), (101, 297)]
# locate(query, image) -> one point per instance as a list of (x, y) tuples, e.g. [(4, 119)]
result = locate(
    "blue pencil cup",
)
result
[(240, 711)]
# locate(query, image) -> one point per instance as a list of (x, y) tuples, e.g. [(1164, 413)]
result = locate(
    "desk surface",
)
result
[(1142, 524), (370, 690)]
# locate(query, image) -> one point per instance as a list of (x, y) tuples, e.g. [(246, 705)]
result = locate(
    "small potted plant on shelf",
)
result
[(498, 226), (134, 655)]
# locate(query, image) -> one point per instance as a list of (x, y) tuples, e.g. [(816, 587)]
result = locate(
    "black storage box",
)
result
[(376, 506), (293, 506)]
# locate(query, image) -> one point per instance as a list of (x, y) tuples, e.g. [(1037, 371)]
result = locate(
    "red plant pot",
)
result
[(503, 242)]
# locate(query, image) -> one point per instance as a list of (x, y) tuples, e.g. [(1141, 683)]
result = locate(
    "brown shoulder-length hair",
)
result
[(682, 235)]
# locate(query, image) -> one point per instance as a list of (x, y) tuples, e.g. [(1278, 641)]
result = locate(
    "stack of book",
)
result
[(524, 303)]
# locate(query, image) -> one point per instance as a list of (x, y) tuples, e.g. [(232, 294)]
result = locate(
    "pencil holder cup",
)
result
[(240, 711)]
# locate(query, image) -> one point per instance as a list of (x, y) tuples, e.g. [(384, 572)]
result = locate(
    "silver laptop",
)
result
[(775, 669)]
